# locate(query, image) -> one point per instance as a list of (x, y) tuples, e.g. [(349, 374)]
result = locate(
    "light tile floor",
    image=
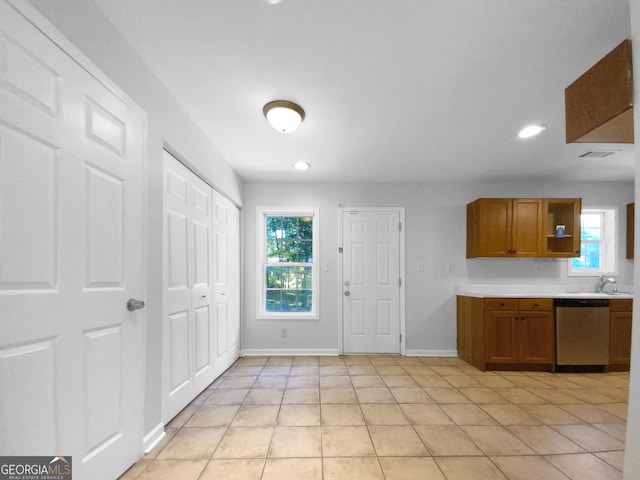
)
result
[(394, 418)]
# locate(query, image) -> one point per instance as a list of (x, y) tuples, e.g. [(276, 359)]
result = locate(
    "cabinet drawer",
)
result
[(536, 304), (621, 305), (497, 304)]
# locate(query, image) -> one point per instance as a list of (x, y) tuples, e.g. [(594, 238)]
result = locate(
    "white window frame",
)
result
[(610, 245), (261, 215)]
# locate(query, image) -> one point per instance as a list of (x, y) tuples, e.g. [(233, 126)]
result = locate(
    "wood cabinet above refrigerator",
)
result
[(599, 104)]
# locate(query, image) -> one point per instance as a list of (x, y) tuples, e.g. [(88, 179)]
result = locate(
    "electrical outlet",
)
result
[(284, 332), (451, 267)]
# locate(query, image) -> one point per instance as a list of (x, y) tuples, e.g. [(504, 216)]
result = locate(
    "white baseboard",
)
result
[(325, 352), (152, 438), (431, 353), (284, 352)]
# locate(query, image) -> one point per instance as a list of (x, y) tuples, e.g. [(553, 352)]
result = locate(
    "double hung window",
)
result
[(597, 243), (288, 277)]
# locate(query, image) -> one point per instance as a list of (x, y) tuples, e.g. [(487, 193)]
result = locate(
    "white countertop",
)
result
[(539, 291)]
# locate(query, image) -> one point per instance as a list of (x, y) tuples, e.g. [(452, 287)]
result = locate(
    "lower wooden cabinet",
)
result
[(506, 332), (519, 333), (620, 318)]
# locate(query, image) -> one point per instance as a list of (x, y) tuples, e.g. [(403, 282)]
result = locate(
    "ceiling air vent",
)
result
[(598, 153)]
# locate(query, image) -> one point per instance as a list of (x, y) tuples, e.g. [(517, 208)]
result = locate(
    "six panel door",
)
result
[(71, 254), (371, 281)]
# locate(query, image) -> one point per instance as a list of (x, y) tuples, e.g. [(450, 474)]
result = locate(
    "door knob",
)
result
[(347, 293), (133, 304)]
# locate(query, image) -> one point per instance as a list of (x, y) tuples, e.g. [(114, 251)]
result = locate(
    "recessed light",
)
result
[(301, 165), (531, 131)]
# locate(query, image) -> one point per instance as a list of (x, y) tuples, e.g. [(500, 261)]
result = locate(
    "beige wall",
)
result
[(435, 234)]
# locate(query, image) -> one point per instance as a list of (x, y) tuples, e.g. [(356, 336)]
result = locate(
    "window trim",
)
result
[(610, 264), (261, 214)]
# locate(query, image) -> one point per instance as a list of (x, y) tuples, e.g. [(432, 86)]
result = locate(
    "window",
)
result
[(288, 277), (597, 243)]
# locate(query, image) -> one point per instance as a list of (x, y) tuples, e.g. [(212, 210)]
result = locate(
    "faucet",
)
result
[(602, 282)]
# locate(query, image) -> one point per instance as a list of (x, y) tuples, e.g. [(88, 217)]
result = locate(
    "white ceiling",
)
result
[(394, 91)]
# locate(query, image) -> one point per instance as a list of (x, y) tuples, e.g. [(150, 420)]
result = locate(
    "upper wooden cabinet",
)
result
[(499, 227), (564, 213), (599, 104), (523, 227)]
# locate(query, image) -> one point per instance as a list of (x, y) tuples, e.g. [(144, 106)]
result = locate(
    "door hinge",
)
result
[(400, 338), (339, 249), (400, 226), (399, 282)]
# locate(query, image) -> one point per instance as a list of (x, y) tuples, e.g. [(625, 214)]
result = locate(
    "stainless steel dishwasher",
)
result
[(582, 331)]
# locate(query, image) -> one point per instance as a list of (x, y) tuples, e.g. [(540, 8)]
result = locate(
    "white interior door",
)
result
[(371, 281), (71, 255), (226, 281), (188, 319)]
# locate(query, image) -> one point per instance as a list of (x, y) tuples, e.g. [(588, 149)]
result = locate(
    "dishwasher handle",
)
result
[(581, 302)]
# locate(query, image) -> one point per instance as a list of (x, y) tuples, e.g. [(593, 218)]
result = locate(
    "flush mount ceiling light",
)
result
[(283, 115), (301, 165), (531, 131)]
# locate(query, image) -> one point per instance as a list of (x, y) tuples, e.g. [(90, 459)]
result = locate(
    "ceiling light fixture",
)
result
[(301, 165), (531, 131), (283, 115)]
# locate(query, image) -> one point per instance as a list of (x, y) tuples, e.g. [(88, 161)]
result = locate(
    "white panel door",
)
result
[(188, 318), (226, 281), (71, 255), (371, 281)]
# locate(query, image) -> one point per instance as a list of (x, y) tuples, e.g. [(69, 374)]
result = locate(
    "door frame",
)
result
[(401, 301)]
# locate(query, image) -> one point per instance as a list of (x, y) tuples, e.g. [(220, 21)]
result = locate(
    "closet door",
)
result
[(188, 318), (226, 274)]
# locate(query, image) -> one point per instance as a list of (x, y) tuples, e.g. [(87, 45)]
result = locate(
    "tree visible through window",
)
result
[(597, 243), (289, 263), (591, 242)]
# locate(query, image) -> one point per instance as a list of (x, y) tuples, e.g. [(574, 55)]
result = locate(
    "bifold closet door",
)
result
[(226, 226), (201, 330), (188, 324)]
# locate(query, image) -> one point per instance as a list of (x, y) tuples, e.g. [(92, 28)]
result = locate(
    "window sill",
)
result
[(289, 316)]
